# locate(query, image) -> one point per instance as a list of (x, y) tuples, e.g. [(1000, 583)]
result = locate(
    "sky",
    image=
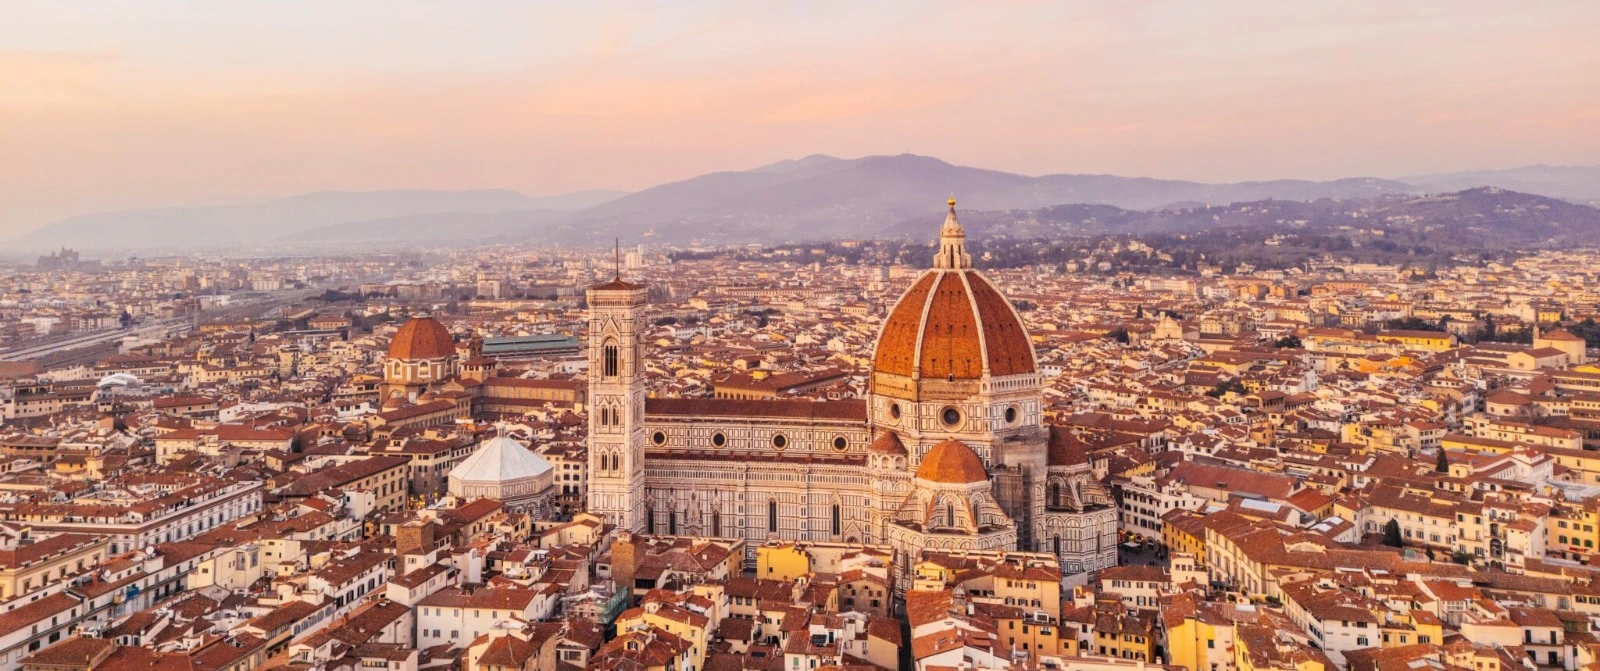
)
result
[(107, 105)]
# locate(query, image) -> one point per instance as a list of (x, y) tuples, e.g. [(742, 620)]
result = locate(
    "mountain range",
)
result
[(410, 215), (811, 198), (1472, 219)]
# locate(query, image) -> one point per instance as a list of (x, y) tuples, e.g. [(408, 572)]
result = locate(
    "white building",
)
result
[(503, 470)]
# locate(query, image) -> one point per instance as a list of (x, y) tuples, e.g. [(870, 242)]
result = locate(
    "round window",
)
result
[(658, 438), (779, 441), (718, 439), (1011, 415), (894, 410), (951, 417), (839, 443)]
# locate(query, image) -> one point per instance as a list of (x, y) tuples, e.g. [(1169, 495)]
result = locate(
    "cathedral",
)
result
[(949, 449)]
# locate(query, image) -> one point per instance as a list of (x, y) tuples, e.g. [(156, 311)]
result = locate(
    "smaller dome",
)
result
[(422, 337), (952, 462), (1065, 449), (888, 443)]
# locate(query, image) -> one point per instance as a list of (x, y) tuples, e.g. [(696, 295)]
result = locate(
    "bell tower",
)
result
[(616, 403)]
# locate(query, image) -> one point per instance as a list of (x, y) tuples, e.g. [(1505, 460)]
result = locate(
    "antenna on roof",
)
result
[(616, 257)]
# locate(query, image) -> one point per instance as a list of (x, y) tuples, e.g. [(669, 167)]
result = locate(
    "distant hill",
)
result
[(1480, 218), (821, 197), (1580, 184), (813, 198), (285, 218)]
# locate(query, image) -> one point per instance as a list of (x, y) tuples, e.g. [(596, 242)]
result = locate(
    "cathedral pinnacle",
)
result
[(952, 254)]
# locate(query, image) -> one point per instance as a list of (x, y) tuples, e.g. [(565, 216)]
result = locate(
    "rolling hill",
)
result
[(817, 197), (824, 197), (284, 219)]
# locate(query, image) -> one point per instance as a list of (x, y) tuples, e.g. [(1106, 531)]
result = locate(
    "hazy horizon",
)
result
[(168, 103)]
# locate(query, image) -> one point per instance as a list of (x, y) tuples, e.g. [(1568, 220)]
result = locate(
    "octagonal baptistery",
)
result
[(503, 470), (953, 359)]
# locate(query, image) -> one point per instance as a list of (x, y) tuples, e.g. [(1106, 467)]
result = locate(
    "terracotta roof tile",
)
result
[(952, 462), (422, 338)]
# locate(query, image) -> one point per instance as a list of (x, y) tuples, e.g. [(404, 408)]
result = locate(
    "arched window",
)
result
[(1055, 494), (672, 523), (836, 525), (716, 523), (772, 516), (650, 520), (609, 361), (950, 513)]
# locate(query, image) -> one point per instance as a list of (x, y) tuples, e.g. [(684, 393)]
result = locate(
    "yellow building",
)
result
[(1411, 628), (1026, 632), (1584, 463), (1571, 531), (1432, 341), (1027, 580), (25, 567), (690, 626), (782, 561), (1184, 531), (1196, 640), (1260, 648), (792, 560), (1129, 635)]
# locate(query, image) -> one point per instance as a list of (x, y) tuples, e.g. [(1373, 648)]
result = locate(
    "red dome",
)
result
[(953, 324), (422, 338), (952, 463), (888, 443)]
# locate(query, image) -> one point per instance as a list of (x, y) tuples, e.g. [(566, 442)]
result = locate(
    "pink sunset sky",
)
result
[(107, 105)]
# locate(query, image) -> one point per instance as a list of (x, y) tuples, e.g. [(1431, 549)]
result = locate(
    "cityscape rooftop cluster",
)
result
[(547, 458)]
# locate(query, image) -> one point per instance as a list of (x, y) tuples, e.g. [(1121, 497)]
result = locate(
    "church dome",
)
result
[(952, 463), (500, 459), (422, 337), (952, 323), (889, 444)]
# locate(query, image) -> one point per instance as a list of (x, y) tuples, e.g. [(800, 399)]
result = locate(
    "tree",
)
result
[(1226, 386), (1120, 335), (1391, 534), (1413, 324), (1138, 313), (1290, 341), (1443, 465)]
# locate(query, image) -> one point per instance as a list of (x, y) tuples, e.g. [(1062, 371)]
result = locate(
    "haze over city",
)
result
[(144, 104), (823, 336)]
